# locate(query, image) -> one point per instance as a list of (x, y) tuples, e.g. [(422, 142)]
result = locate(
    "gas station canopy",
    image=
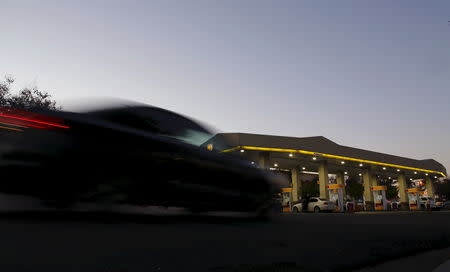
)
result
[(288, 152)]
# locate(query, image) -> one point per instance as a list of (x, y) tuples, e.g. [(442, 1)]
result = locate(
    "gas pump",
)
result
[(336, 196), (286, 198), (413, 196), (379, 197)]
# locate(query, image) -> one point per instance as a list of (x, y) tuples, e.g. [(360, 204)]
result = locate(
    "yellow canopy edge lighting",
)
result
[(330, 156), (231, 149)]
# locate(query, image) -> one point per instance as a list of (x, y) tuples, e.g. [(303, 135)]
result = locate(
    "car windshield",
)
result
[(159, 121), (175, 126), (323, 199)]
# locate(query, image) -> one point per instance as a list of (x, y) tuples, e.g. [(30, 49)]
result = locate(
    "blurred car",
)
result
[(446, 205), (138, 155), (316, 204), (277, 203), (427, 202), (393, 204), (358, 205)]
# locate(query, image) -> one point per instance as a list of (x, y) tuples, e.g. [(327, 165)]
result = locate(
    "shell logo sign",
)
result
[(210, 147)]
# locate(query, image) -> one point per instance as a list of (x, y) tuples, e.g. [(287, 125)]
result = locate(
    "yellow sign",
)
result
[(413, 190), (335, 186), (210, 147), (378, 188)]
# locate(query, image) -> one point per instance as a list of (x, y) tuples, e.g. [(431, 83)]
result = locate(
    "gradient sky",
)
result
[(368, 74)]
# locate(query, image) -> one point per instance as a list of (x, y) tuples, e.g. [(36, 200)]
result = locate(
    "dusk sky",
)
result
[(367, 74)]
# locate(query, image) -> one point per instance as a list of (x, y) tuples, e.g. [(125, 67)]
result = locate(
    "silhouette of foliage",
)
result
[(354, 189), (443, 189), (391, 191), (25, 99), (310, 188)]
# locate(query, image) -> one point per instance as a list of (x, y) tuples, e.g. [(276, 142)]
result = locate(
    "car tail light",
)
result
[(325, 203), (18, 120)]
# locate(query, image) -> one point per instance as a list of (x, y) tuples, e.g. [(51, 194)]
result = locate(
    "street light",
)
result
[(345, 173), (303, 168), (275, 164), (360, 165), (290, 155), (360, 174), (342, 162), (242, 150), (314, 158), (384, 168)]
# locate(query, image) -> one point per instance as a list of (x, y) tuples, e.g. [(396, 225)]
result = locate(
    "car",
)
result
[(446, 205), (393, 204), (134, 154), (357, 205), (427, 202), (316, 204)]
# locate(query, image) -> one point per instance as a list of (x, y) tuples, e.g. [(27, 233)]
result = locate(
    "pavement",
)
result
[(434, 260), (49, 241)]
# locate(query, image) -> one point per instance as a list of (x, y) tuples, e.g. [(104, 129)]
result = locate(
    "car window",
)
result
[(159, 121), (129, 119), (173, 125), (323, 199), (313, 200)]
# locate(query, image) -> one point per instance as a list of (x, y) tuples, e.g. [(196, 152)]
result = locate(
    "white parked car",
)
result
[(316, 204)]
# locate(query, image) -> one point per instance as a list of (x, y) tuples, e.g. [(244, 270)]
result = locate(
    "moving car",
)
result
[(136, 155), (316, 204)]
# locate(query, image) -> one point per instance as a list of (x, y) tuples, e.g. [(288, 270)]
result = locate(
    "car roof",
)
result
[(147, 110)]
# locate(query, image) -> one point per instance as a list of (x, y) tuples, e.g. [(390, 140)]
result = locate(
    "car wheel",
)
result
[(316, 209), (295, 209)]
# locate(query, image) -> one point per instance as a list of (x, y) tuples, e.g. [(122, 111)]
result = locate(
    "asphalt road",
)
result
[(288, 242)]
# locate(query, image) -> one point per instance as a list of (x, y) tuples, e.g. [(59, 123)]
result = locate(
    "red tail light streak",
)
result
[(18, 120)]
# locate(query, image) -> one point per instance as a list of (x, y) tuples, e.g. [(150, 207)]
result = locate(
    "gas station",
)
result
[(333, 164)]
